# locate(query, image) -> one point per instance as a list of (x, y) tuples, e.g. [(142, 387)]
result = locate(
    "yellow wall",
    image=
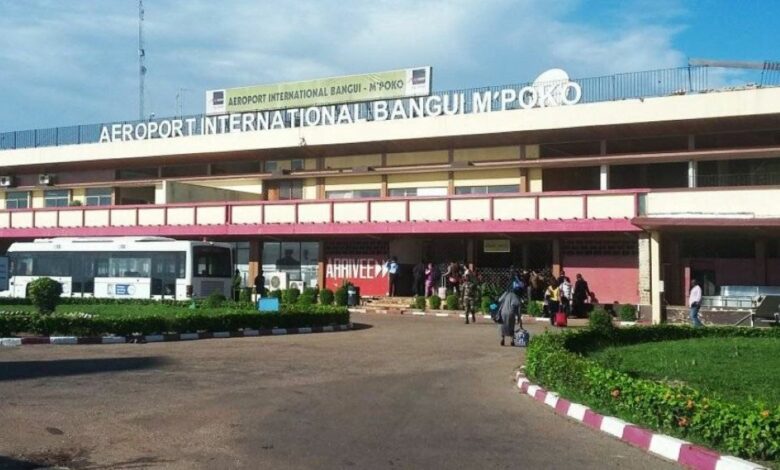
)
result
[(417, 158), (418, 180), (532, 152), (353, 160), (79, 194), (347, 183), (37, 198), (535, 180), (310, 188), (487, 177), (486, 154), (310, 164)]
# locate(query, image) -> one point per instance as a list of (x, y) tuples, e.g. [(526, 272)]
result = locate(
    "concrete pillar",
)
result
[(604, 177), (255, 260), (657, 287), (692, 170), (645, 269), (760, 263), (556, 255), (321, 266)]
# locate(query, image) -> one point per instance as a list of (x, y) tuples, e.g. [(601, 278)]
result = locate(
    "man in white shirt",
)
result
[(694, 302)]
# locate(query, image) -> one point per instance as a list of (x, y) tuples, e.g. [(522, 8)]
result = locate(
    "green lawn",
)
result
[(731, 368)]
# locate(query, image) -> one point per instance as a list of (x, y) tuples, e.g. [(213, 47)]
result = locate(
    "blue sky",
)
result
[(76, 62)]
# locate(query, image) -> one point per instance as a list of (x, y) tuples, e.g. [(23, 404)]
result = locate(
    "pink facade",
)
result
[(610, 277)]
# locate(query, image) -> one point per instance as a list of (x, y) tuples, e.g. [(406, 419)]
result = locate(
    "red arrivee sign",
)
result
[(365, 271)]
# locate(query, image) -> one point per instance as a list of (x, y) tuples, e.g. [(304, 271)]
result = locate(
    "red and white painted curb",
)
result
[(168, 337), (671, 448)]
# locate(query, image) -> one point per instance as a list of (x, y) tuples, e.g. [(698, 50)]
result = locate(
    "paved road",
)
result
[(403, 392)]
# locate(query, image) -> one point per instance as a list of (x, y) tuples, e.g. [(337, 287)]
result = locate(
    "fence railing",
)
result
[(681, 80)]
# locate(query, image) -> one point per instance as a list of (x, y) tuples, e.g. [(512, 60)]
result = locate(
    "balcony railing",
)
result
[(645, 84), (442, 214)]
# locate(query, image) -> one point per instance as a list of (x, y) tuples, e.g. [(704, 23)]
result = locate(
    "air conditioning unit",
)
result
[(296, 284), (45, 179), (275, 281), (6, 181)]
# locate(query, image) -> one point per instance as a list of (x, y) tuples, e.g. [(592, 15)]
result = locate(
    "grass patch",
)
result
[(733, 369)]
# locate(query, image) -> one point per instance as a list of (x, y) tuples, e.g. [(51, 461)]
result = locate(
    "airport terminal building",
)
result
[(639, 181)]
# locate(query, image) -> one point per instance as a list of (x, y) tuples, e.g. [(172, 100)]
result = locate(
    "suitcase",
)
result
[(560, 319), (521, 338)]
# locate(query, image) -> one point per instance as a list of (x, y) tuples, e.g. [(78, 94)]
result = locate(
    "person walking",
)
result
[(565, 293), (392, 275), (452, 276), (468, 290), (236, 285), (694, 302), (552, 296), (431, 276), (418, 279), (509, 309), (580, 295)]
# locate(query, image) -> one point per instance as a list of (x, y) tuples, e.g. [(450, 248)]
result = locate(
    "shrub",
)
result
[(341, 296), (627, 313), (214, 300), (45, 294), (276, 294), (452, 302), (308, 296), (747, 429), (600, 320), (484, 305), (245, 296), (419, 302), (434, 302), (290, 296), (326, 297), (535, 308)]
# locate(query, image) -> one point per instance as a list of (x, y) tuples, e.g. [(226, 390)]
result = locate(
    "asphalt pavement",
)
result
[(398, 392)]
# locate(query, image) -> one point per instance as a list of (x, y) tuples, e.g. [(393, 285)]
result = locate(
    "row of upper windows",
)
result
[(58, 198)]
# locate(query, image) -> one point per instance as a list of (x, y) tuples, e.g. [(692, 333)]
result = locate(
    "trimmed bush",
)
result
[(484, 305), (434, 302), (326, 297), (627, 313), (452, 302), (214, 300), (290, 296), (419, 302), (308, 296), (341, 296), (245, 296), (535, 308), (747, 429), (276, 294), (45, 294), (600, 320)]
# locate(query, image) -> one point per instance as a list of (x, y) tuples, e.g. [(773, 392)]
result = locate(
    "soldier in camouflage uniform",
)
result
[(469, 293)]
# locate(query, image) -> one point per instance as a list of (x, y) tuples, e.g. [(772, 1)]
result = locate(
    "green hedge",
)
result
[(177, 320), (749, 430)]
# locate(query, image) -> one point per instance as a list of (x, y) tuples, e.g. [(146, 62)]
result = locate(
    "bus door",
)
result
[(83, 269), (166, 267)]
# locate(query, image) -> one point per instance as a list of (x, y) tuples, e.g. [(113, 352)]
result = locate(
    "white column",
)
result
[(656, 286), (692, 171), (604, 177)]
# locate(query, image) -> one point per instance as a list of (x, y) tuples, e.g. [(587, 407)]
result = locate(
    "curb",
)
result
[(60, 340), (661, 445), (411, 312)]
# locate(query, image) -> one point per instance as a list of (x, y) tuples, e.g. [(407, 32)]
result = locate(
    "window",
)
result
[(56, 198), (411, 192), (130, 264), (296, 164), (17, 200), (352, 194), (497, 189), (298, 260), (99, 196), (289, 190), (235, 168), (211, 261), (137, 174), (271, 165), (185, 170)]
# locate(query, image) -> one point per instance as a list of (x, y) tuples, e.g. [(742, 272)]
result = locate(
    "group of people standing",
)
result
[(562, 296)]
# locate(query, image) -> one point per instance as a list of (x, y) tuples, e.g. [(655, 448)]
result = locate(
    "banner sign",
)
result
[(495, 246), (368, 272), (556, 90), (348, 89)]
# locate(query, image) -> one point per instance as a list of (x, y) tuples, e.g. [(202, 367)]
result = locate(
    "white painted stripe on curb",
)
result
[(10, 342), (521, 381), (154, 338), (486, 317), (532, 389), (221, 334), (419, 314), (666, 446), (728, 462), (63, 340), (113, 340), (613, 426), (327, 328), (551, 399), (251, 332), (577, 411), (304, 330), (279, 331), (188, 336), (445, 315)]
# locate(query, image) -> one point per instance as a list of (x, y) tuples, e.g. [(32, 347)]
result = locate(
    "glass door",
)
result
[(166, 267)]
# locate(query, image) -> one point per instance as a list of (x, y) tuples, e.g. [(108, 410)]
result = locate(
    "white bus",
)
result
[(123, 267)]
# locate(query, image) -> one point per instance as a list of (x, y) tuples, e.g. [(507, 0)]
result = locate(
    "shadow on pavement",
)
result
[(20, 370), (8, 463), (361, 326)]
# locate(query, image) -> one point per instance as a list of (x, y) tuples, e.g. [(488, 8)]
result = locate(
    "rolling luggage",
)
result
[(560, 319)]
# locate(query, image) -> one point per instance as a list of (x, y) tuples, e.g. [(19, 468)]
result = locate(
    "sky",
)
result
[(76, 62)]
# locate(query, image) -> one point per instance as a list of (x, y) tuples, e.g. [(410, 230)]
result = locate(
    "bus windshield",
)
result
[(211, 261)]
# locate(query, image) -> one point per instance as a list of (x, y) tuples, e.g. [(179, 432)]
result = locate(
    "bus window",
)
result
[(21, 264), (130, 265), (211, 261)]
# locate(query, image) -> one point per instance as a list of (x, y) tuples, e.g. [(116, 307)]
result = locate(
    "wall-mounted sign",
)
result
[(365, 271), (552, 88), (348, 89), (496, 246)]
